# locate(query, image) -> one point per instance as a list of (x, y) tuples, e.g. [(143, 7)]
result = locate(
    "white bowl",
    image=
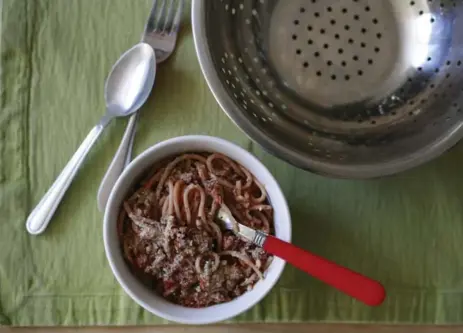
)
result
[(146, 297)]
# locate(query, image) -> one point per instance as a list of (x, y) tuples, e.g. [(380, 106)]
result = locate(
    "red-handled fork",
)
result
[(354, 284)]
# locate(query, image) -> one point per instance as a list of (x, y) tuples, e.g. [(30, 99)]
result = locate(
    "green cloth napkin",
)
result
[(406, 230)]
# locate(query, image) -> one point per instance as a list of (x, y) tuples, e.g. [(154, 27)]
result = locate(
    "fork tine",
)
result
[(161, 14), (178, 17), (168, 18), (150, 24)]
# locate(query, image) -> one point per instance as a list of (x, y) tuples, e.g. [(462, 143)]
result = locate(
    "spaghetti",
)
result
[(169, 237)]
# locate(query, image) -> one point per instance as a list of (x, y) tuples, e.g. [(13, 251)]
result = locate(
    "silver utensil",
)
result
[(127, 88), (364, 289), (355, 89), (161, 33)]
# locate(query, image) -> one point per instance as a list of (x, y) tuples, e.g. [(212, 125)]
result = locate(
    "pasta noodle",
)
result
[(245, 260), (169, 237)]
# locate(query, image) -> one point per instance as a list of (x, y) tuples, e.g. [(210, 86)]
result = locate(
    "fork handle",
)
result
[(364, 289), (119, 162)]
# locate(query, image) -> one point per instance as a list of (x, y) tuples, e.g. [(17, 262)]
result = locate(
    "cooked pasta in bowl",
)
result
[(162, 241)]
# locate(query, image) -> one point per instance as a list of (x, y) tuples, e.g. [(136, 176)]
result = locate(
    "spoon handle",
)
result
[(39, 218), (364, 289), (119, 162)]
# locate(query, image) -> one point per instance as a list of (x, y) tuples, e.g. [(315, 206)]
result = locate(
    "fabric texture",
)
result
[(405, 230)]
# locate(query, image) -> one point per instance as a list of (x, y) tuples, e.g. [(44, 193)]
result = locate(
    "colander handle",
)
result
[(364, 289)]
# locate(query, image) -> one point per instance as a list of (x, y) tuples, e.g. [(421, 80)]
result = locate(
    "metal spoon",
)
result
[(354, 284), (127, 87)]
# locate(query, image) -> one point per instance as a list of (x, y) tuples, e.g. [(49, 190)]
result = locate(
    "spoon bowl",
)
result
[(125, 94)]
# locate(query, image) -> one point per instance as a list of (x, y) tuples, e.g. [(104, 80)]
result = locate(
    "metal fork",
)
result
[(161, 33)]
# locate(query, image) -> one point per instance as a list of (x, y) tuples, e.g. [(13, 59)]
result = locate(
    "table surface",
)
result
[(296, 328), (403, 230)]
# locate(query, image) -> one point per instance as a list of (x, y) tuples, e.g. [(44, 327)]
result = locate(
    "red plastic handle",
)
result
[(364, 289)]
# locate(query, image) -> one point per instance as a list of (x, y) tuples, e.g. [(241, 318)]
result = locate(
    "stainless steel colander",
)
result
[(347, 88)]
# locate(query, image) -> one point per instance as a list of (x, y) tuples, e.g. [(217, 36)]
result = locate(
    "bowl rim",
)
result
[(111, 252), (284, 151)]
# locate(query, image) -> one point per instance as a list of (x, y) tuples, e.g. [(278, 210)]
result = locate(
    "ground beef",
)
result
[(182, 260)]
